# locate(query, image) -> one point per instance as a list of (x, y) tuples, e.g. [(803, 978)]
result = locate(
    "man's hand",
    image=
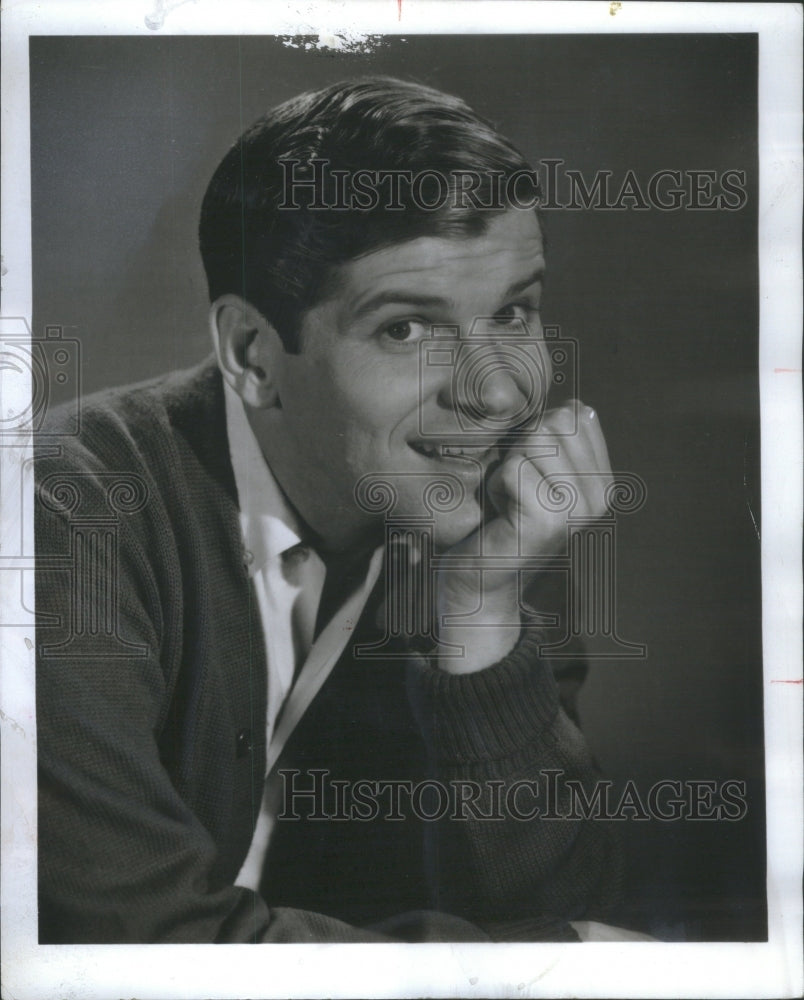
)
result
[(524, 525)]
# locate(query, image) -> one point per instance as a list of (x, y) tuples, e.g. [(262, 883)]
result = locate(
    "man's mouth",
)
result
[(453, 452)]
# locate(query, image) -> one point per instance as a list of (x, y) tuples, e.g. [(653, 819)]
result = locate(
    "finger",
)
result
[(582, 464), (578, 437), (604, 479), (591, 423), (573, 437), (575, 420), (561, 420), (568, 447)]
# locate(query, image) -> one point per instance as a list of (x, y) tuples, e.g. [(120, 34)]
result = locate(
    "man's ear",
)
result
[(249, 350)]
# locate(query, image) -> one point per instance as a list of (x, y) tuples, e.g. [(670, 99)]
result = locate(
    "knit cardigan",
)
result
[(151, 698)]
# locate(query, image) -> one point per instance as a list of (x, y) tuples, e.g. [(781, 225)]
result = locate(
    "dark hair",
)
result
[(278, 257)]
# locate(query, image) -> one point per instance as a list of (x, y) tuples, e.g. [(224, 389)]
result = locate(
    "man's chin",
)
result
[(438, 510)]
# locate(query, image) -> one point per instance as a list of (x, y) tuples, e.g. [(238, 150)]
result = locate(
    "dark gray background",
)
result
[(125, 134)]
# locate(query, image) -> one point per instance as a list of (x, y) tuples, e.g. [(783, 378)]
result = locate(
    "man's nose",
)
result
[(499, 394), (489, 385)]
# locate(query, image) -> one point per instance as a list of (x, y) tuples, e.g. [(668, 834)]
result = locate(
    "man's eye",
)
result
[(406, 331), (511, 312)]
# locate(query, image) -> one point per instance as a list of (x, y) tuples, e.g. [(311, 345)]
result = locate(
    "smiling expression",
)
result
[(359, 400)]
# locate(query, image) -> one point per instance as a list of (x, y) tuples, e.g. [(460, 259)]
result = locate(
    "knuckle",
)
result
[(516, 466), (563, 419)]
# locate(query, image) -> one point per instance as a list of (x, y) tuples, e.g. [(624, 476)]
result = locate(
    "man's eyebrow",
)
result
[(520, 286), (401, 296), (407, 296)]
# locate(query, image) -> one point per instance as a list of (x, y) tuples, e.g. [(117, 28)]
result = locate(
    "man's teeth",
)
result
[(449, 450)]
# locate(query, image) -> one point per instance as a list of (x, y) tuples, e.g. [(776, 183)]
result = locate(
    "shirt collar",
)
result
[(268, 523)]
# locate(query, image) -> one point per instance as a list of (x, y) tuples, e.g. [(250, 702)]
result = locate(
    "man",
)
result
[(238, 741)]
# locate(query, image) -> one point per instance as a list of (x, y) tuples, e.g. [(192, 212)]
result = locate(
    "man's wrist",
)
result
[(486, 624)]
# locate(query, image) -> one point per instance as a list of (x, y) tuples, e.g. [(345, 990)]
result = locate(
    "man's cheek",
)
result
[(362, 452)]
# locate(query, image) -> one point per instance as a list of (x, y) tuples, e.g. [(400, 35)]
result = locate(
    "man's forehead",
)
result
[(511, 243)]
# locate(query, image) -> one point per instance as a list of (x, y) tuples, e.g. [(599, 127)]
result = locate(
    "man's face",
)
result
[(358, 399)]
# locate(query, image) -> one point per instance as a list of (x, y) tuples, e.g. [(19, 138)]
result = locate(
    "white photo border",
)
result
[(621, 969)]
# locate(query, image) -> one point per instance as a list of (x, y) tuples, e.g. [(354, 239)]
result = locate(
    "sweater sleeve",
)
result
[(515, 854)]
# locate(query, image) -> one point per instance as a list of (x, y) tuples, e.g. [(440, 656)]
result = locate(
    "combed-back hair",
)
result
[(280, 258)]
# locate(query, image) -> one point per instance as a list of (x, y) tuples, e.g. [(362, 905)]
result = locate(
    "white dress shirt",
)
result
[(288, 578)]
